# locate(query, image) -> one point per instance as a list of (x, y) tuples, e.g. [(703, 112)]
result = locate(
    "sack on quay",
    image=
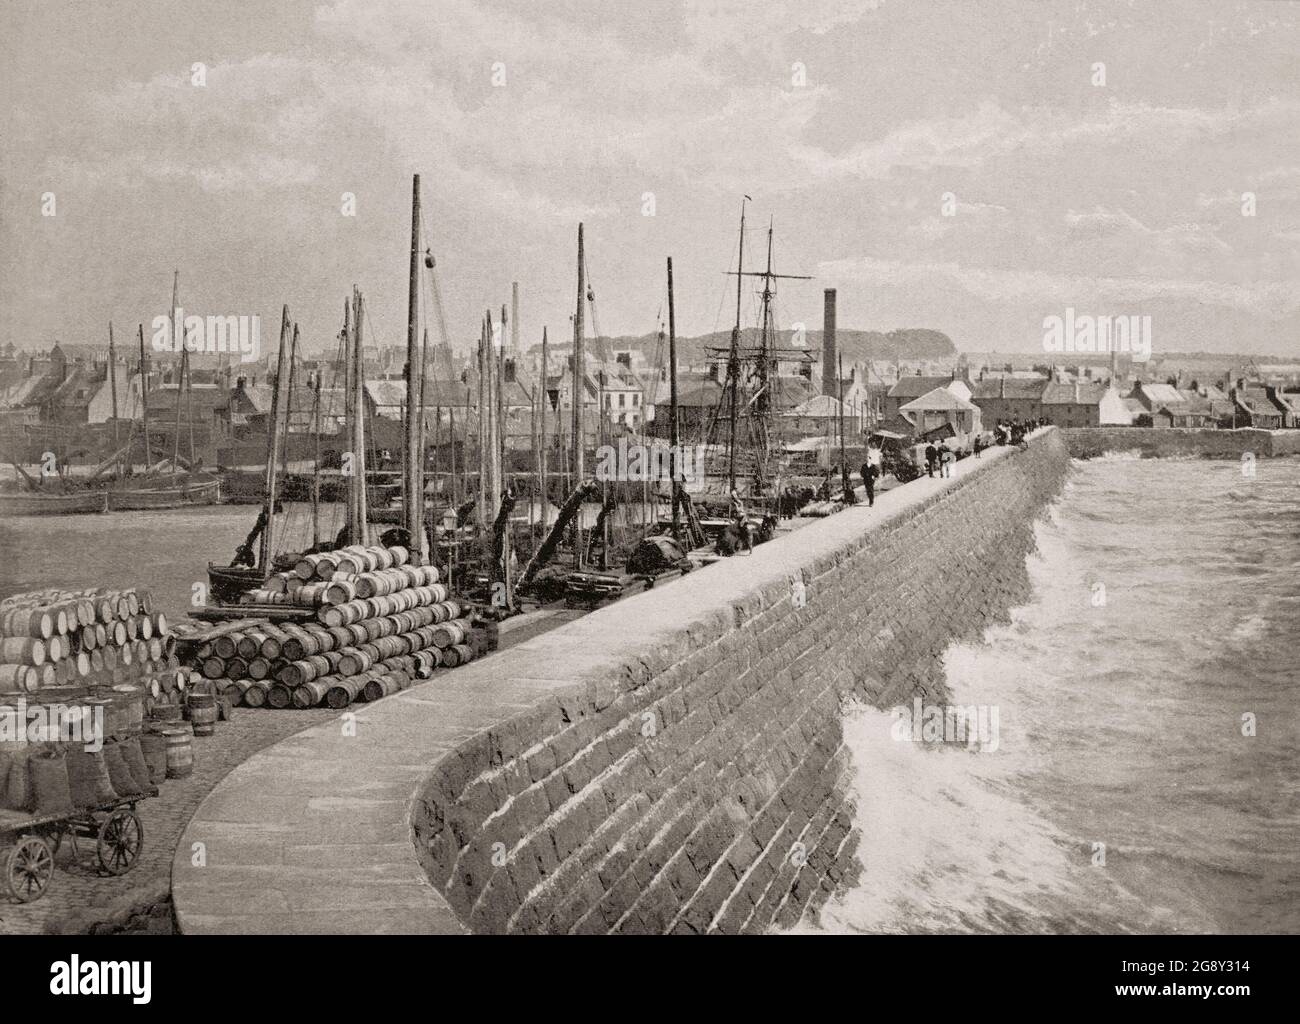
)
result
[(136, 764), (17, 792), (119, 773), (88, 778), (154, 748), (51, 792)]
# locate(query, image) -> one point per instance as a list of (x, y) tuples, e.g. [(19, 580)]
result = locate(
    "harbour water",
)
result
[(1123, 795), (166, 551)]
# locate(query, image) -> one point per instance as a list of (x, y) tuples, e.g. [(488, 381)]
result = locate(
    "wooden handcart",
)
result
[(29, 843)]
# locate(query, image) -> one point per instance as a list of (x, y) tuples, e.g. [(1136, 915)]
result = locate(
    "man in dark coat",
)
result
[(869, 481)]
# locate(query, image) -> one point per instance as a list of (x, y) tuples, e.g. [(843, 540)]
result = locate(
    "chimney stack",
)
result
[(829, 350)]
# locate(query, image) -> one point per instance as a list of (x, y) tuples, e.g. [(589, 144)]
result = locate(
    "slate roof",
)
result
[(939, 399)]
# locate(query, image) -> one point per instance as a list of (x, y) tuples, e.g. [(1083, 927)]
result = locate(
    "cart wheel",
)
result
[(29, 869), (121, 838)]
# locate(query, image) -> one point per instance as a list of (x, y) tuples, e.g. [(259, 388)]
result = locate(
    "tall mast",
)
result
[(579, 396), (490, 365), (502, 423), (349, 413), (288, 401), (733, 359), (482, 503), (112, 378), (579, 368), (315, 482), (844, 466), (545, 402), (273, 447), (144, 400), (763, 399), (673, 435), (362, 535), (178, 330), (413, 476)]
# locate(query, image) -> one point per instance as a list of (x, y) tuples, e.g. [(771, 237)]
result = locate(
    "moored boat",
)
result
[(36, 504)]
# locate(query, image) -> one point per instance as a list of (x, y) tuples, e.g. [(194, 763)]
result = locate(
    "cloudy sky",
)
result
[(857, 126)]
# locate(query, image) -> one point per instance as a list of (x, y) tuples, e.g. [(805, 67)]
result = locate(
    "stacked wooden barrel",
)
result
[(75, 642), (381, 624)]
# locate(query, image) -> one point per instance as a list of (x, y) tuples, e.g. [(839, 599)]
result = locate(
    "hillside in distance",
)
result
[(854, 346)]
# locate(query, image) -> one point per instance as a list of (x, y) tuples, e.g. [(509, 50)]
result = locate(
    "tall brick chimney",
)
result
[(829, 372)]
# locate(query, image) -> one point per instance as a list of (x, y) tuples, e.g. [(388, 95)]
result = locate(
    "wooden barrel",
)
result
[(255, 695), (342, 693), (226, 645), (203, 713), (463, 652), (24, 650), (180, 752), (279, 696), (30, 622), (19, 679), (309, 595), (354, 661), (250, 644), (340, 592), (375, 689), (309, 695), (273, 644), (212, 668), (154, 748), (165, 713), (131, 700)]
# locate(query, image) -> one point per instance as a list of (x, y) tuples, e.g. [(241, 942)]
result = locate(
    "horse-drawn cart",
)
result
[(29, 843)]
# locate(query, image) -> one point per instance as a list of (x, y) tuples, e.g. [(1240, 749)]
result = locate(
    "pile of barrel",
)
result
[(92, 690), (81, 641), (381, 623)]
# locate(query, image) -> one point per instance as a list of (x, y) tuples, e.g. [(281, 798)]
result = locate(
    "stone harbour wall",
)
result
[(699, 782)]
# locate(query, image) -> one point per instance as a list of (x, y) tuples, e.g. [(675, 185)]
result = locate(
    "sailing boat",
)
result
[(113, 486), (751, 390), (251, 567)]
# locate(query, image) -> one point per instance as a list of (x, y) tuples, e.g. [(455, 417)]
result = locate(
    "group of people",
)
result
[(939, 458), (1014, 432)]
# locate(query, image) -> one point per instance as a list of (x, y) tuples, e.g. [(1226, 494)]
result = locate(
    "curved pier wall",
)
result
[(681, 765)]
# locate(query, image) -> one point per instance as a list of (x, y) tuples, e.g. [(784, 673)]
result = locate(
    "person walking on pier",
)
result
[(946, 458), (931, 457), (741, 523), (869, 480)]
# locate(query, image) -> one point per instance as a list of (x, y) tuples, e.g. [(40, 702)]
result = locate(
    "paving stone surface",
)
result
[(77, 894)]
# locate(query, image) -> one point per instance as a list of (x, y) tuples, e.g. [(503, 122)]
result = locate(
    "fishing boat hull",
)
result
[(76, 503), (228, 583), (109, 500), (144, 498)]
